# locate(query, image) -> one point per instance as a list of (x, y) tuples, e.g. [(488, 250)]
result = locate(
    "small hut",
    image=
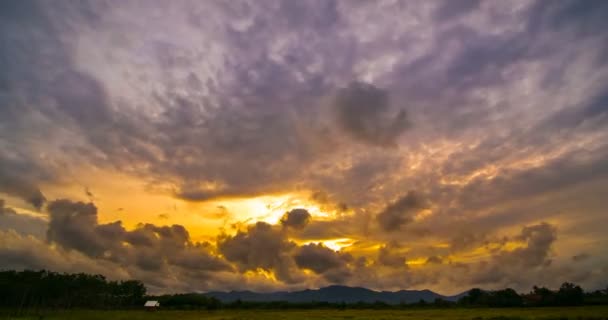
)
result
[(151, 305)]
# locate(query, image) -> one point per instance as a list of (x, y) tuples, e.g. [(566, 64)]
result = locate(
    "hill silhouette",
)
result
[(334, 294)]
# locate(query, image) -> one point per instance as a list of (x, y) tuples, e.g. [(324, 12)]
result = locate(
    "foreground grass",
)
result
[(595, 312)]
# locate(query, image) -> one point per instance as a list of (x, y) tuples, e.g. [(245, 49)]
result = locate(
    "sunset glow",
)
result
[(284, 145)]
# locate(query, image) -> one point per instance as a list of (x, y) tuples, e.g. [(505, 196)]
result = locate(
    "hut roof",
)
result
[(152, 303)]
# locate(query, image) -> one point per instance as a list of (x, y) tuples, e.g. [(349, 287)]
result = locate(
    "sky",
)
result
[(282, 145)]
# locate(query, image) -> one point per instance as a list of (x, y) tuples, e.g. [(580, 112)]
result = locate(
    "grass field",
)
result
[(596, 312)]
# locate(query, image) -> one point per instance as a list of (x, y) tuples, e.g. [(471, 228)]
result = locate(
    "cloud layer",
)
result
[(461, 138)]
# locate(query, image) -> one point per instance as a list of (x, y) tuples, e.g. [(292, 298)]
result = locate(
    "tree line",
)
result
[(34, 290), (45, 289), (568, 294)]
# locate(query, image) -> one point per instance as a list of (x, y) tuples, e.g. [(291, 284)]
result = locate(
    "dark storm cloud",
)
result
[(21, 223), (365, 112), (261, 246), (73, 225), (12, 184), (533, 259), (267, 247), (322, 260), (296, 218), (400, 212), (19, 177), (252, 98), (539, 240), (318, 258), (388, 257), (156, 245)]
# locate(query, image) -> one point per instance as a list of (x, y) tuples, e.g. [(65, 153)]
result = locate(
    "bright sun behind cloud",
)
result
[(270, 208), (204, 145)]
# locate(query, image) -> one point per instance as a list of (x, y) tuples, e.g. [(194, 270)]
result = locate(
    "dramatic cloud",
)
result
[(388, 257), (73, 225), (539, 239), (364, 112), (15, 181), (330, 264), (21, 223), (271, 145), (149, 248), (400, 212), (262, 246), (26, 252), (533, 257), (296, 218), (318, 258)]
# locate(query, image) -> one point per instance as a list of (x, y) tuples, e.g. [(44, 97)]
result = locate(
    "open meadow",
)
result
[(594, 312)]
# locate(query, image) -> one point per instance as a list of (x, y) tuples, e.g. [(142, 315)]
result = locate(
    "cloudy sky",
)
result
[(265, 145)]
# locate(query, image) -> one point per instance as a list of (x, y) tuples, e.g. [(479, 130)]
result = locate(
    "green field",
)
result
[(596, 312)]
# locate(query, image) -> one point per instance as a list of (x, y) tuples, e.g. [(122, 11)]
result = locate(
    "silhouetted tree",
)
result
[(570, 294), (505, 298), (44, 289), (31, 290)]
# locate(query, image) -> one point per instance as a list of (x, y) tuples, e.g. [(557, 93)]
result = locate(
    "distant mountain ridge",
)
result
[(334, 294)]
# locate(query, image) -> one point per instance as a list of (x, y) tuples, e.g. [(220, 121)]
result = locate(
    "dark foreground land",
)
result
[(586, 312)]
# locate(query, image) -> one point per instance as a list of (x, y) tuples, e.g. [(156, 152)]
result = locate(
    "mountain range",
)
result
[(334, 294)]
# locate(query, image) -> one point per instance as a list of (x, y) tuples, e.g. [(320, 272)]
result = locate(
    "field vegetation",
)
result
[(546, 313), (48, 295)]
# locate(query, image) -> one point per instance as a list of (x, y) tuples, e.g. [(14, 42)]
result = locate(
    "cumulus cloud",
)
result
[(149, 251), (261, 246), (73, 226), (366, 114), (296, 218), (27, 252), (508, 102), (539, 240), (319, 258), (510, 266), (400, 212)]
